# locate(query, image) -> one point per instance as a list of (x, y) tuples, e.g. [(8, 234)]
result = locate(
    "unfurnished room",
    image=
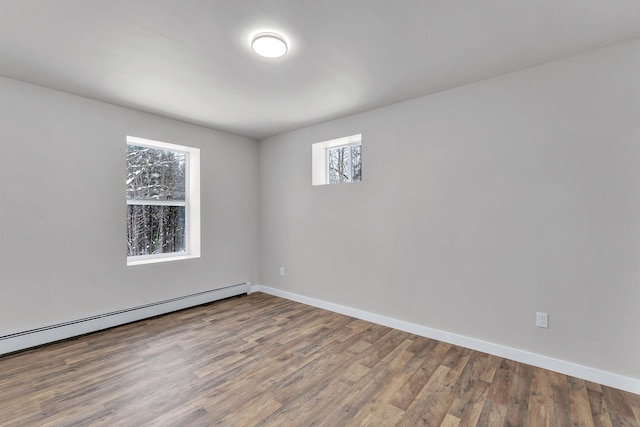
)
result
[(333, 213)]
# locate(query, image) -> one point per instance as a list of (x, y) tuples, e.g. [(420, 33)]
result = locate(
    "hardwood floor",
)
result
[(262, 360)]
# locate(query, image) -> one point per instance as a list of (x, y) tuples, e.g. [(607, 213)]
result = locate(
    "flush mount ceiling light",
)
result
[(269, 45)]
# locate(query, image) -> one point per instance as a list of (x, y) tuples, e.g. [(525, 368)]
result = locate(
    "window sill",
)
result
[(161, 258)]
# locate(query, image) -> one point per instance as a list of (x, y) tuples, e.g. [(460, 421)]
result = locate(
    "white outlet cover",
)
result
[(542, 320)]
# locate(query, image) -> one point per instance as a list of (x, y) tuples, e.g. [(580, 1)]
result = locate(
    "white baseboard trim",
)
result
[(568, 368), (35, 337)]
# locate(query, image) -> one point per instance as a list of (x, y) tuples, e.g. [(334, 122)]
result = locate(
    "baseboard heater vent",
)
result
[(47, 334)]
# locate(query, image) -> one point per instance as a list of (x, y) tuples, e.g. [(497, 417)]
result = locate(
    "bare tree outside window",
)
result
[(356, 160), (344, 163), (156, 203)]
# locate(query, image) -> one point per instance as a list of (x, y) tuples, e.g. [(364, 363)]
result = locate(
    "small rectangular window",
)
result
[(337, 161), (162, 188), (344, 163)]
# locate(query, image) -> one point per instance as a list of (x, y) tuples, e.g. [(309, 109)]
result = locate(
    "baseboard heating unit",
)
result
[(47, 334)]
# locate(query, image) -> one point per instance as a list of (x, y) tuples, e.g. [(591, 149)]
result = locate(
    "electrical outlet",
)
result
[(282, 271), (542, 320)]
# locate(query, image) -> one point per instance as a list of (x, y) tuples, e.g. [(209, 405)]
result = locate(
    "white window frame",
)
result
[(191, 203), (320, 154)]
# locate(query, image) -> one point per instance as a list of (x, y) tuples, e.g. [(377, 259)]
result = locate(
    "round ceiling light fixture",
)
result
[(269, 45)]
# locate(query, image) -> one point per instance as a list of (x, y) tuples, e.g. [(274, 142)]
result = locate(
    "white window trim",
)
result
[(319, 153), (191, 203)]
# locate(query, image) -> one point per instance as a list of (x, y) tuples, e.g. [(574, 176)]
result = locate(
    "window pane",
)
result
[(155, 174), (356, 161), (155, 229), (339, 164)]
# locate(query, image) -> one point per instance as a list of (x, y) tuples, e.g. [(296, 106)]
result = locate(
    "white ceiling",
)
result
[(190, 59)]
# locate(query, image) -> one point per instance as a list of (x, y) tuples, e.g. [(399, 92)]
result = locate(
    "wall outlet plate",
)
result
[(542, 320)]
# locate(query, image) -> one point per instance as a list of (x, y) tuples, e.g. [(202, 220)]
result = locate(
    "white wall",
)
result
[(479, 206), (62, 209)]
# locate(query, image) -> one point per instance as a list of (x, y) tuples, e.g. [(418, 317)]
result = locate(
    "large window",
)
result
[(163, 201), (336, 161)]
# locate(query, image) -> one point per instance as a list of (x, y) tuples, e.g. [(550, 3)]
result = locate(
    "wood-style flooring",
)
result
[(262, 360)]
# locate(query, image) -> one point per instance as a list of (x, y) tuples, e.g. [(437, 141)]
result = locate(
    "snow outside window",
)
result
[(162, 187)]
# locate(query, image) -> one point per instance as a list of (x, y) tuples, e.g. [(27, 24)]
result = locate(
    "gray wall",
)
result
[(479, 206), (62, 209)]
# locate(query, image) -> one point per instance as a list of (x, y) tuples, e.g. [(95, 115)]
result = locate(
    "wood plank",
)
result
[(470, 390), (431, 404), (310, 408), (579, 406), (540, 406), (560, 396), (620, 407), (405, 396), (598, 406), (494, 411), (518, 395)]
